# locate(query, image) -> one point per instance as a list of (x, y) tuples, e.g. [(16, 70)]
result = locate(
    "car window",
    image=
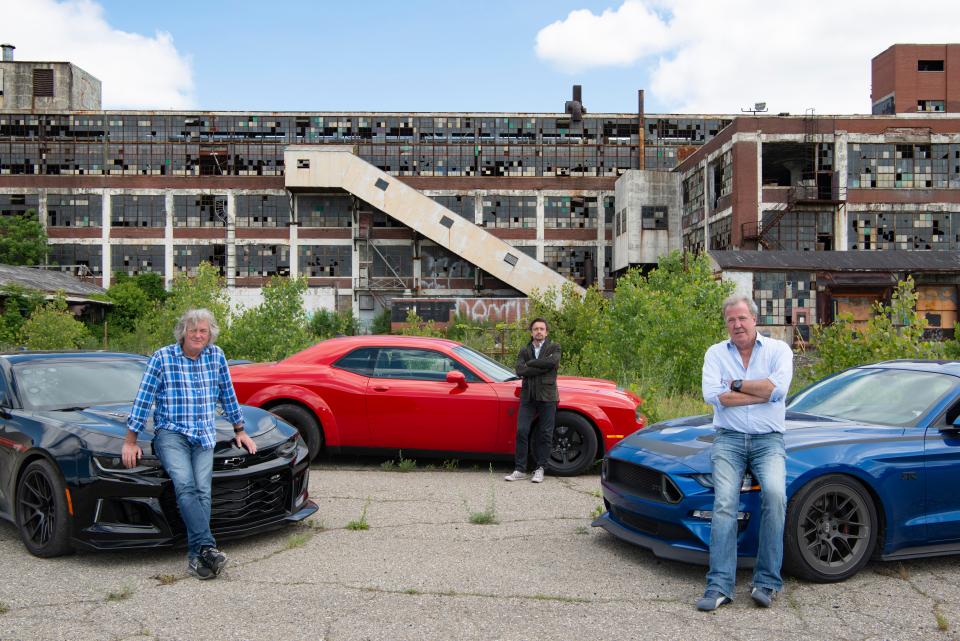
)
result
[(50, 385), (876, 395), (6, 394), (359, 361), (485, 364), (418, 364)]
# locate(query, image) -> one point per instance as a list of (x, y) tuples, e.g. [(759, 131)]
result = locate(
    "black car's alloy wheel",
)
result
[(42, 510), (831, 529), (574, 445)]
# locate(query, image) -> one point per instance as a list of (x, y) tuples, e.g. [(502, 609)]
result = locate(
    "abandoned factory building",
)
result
[(372, 207)]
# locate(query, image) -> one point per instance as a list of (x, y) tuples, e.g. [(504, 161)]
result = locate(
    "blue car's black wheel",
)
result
[(574, 445), (42, 510), (831, 529)]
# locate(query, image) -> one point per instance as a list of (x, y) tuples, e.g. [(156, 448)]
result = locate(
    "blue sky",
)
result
[(418, 55), (690, 56)]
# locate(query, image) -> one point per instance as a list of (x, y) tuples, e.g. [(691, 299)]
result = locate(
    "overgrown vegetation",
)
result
[(23, 240), (361, 523), (488, 515), (894, 331)]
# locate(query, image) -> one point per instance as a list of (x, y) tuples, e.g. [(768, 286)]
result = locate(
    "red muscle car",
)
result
[(428, 396)]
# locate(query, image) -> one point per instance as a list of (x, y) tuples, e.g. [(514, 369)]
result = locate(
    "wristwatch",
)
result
[(736, 385)]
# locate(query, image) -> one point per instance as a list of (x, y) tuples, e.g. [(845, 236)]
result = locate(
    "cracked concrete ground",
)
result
[(423, 571)]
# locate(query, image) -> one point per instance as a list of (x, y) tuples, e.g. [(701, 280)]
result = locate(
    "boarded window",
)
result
[(43, 83)]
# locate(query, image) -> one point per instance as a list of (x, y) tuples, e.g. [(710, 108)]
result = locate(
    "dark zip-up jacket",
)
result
[(539, 374)]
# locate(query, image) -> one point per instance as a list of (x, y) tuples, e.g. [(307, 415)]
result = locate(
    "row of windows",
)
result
[(314, 260), (893, 166), (291, 129)]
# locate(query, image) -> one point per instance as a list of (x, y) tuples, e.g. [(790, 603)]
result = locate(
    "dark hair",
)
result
[(538, 319)]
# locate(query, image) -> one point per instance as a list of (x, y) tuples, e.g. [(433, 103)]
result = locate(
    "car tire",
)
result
[(831, 529), (305, 422), (574, 447), (42, 518)]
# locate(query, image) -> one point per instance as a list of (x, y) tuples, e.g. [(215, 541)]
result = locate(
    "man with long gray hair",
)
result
[(183, 383)]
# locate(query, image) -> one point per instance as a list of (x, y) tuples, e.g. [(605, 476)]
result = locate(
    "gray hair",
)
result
[(192, 318), (736, 299)]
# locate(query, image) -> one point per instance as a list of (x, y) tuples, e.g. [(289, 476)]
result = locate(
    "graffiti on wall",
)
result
[(493, 310)]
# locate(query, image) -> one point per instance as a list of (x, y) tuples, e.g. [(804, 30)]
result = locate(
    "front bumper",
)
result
[(117, 511)]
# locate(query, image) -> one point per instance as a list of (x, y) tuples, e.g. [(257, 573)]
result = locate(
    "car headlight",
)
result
[(748, 485), (289, 447), (110, 463)]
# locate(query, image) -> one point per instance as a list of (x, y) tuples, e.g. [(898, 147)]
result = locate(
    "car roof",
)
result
[(27, 356), (341, 344), (940, 367)]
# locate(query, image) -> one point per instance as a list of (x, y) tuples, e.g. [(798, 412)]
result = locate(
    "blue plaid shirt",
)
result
[(185, 392)]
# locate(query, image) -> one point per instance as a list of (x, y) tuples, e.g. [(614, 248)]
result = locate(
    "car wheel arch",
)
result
[(311, 401), (30, 457), (857, 474)]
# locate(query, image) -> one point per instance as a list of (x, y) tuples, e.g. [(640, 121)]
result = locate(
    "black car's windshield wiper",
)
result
[(75, 408)]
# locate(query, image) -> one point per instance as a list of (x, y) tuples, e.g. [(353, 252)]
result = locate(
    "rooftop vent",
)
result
[(7, 52)]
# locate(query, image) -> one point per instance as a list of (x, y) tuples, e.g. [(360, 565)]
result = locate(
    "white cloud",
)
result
[(716, 56), (615, 37), (137, 71)]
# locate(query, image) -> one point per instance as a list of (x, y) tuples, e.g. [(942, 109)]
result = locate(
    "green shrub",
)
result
[(326, 324), (52, 326)]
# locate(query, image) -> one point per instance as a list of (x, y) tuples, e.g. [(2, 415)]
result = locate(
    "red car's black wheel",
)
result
[(574, 445), (42, 511)]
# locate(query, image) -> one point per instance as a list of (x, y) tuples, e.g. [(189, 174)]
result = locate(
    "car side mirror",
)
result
[(457, 378)]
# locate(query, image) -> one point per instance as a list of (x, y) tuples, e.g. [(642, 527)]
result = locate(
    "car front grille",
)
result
[(642, 481), (652, 527), (237, 502)]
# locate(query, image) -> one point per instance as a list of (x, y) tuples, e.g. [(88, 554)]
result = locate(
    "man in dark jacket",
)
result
[(537, 365)]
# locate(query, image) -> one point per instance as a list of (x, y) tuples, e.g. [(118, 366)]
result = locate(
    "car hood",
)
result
[(683, 444), (582, 383), (111, 421)]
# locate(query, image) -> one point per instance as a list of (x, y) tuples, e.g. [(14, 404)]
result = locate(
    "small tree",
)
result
[(416, 326), (23, 240), (52, 326), (130, 303), (381, 323), (894, 331), (274, 329), (204, 290), (325, 323)]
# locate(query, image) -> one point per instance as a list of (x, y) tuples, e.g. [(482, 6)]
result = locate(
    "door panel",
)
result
[(411, 405)]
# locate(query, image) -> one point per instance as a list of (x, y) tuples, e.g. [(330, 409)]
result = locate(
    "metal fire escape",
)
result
[(815, 189)]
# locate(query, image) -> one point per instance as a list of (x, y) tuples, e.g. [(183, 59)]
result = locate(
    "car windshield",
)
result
[(880, 396), (490, 368), (53, 385)]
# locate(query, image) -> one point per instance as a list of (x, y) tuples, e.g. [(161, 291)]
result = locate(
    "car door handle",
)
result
[(380, 388)]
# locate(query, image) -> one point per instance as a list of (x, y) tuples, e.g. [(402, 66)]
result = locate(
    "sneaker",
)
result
[(515, 475), (711, 600), (763, 597), (213, 559), (538, 475), (197, 568)]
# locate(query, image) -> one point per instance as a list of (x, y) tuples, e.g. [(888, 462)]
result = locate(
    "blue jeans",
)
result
[(190, 467), (764, 454)]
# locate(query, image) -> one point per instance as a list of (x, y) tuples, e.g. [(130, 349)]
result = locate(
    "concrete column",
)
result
[(294, 251), (706, 206), (42, 208), (478, 207), (601, 237), (168, 266), (541, 214), (231, 248), (840, 218), (106, 260)]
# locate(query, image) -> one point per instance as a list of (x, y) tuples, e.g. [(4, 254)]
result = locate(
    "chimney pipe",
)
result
[(7, 52)]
